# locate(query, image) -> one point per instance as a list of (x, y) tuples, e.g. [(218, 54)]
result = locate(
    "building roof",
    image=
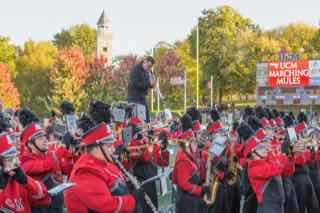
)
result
[(103, 20)]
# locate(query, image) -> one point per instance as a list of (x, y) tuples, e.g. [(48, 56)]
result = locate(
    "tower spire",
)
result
[(104, 38), (103, 20)]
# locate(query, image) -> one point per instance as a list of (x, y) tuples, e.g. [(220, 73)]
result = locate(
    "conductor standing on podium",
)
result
[(140, 81)]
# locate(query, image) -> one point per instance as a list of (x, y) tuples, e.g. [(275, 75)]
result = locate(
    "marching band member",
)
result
[(306, 195), (228, 196), (145, 160), (18, 192), (248, 198), (100, 186), (186, 174), (38, 162), (265, 178), (278, 143), (314, 167)]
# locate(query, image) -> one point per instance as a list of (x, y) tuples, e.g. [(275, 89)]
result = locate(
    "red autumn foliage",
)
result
[(9, 94)]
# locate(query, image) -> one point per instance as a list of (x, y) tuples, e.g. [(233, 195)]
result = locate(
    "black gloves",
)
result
[(121, 149), (19, 176), (205, 190), (3, 179)]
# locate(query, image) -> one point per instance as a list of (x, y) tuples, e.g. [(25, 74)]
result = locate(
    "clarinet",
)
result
[(135, 183)]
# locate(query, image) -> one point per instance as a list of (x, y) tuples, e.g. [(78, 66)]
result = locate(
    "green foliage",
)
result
[(297, 38), (230, 45), (190, 66), (7, 54), (219, 45), (33, 67), (81, 36), (315, 43)]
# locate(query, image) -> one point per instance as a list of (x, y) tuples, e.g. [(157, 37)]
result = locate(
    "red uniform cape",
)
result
[(259, 172), (182, 172), (39, 165), (288, 165), (20, 198), (299, 158), (93, 179)]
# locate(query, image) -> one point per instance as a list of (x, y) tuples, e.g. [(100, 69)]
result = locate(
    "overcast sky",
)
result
[(138, 25)]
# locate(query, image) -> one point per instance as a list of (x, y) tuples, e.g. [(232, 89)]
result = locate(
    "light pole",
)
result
[(197, 65)]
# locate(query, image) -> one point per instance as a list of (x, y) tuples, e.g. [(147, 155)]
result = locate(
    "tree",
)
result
[(8, 54), (81, 36), (220, 51), (33, 67), (99, 77), (315, 43), (184, 52), (109, 83), (121, 72), (297, 38), (170, 65), (68, 77), (9, 94), (254, 47)]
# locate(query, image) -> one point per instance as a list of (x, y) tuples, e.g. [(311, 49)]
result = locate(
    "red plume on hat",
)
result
[(273, 123), (215, 127), (7, 148), (279, 121), (196, 125), (101, 134), (264, 122), (32, 131), (300, 128), (260, 134)]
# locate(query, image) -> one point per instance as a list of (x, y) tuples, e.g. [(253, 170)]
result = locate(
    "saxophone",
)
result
[(233, 168), (213, 180)]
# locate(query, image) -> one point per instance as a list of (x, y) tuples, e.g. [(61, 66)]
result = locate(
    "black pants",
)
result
[(270, 207), (143, 101)]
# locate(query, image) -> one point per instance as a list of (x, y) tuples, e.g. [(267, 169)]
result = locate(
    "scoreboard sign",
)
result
[(288, 74), (288, 82)]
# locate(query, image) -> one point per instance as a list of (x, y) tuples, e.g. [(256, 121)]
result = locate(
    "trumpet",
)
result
[(139, 149)]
